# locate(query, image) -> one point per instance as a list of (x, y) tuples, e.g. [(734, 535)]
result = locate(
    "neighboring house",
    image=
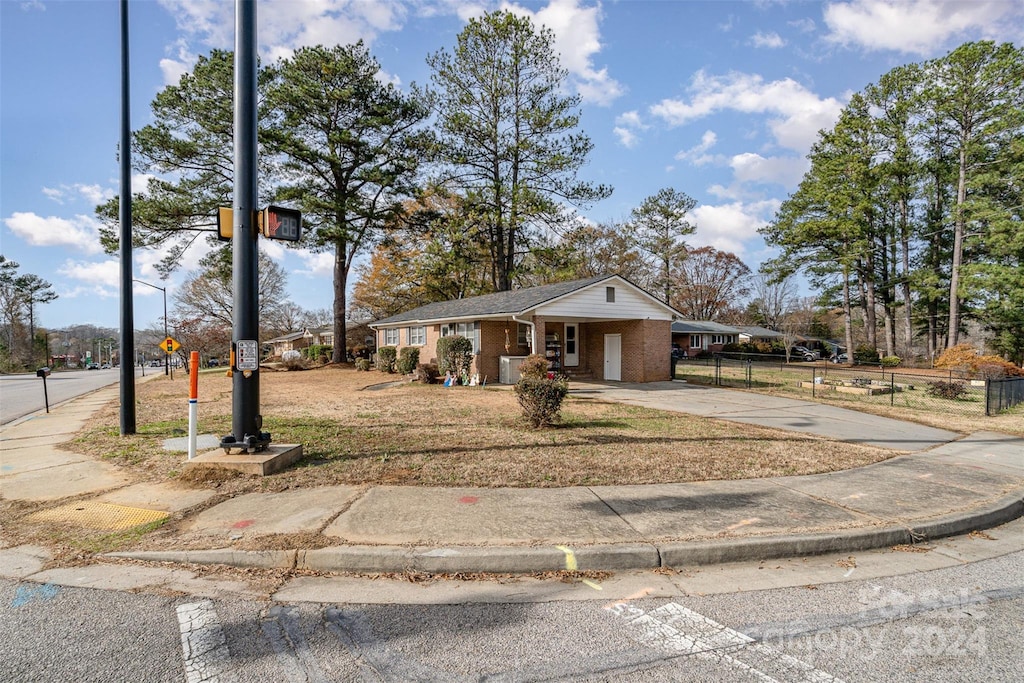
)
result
[(288, 342), (697, 336), (753, 334), (319, 336), (602, 327)]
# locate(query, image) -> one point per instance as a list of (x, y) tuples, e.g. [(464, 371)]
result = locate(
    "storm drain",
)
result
[(95, 515)]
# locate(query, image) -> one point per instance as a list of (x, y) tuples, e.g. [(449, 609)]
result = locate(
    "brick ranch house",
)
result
[(601, 327)]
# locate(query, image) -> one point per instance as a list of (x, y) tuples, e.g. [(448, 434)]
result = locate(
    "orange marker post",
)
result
[(193, 402)]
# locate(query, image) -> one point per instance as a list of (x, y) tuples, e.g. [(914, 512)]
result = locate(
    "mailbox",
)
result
[(43, 372)]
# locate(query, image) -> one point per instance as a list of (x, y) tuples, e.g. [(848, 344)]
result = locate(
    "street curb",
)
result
[(259, 559), (1006, 509), (615, 557)]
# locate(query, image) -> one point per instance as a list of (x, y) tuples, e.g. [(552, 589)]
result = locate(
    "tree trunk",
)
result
[(958, 246), (847, 315), (338, 354)]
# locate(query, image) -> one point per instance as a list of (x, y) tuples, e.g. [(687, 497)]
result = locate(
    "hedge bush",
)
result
[(386, 358), (408, 359), (534, 366), (363, 364), (541, 399), (454, 355), (866, 355), (891, 361), (965, 358), (426, 373)]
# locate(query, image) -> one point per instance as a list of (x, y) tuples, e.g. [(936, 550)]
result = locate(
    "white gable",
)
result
[(592, 303)]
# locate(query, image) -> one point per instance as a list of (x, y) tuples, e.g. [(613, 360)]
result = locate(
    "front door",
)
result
[(572, 346), (613, 357)]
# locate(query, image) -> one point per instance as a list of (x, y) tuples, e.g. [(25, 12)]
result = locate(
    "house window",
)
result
[(609, 294), (391, 336), (523, 338), (694, 341), (470, 331), (416, 336)]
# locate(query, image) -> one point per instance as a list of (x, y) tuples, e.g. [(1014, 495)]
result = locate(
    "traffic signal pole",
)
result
[(246, 422)]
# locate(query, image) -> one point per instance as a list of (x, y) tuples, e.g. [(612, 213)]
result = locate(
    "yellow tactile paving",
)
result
[(96, 515)]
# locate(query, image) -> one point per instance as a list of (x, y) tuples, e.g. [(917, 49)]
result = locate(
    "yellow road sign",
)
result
[(169, 345)]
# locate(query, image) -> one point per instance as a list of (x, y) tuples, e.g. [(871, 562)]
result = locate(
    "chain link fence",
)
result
[(937, 392)]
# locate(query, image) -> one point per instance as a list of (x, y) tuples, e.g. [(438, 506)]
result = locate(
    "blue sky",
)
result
[(718, 99)]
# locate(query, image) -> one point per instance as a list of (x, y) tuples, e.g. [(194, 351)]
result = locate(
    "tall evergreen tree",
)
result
[(659, 228), (507, 134), (349, 151)]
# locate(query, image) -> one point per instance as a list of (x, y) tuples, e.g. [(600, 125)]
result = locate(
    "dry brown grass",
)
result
[(413, 434)]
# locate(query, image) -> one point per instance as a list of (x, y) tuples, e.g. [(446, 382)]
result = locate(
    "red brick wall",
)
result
[(646, 347)]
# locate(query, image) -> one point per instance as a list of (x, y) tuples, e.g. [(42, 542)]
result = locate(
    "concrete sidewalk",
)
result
[(945, 486)]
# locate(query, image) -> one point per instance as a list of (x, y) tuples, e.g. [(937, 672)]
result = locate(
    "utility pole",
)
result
[(246, 421), (127, 344)]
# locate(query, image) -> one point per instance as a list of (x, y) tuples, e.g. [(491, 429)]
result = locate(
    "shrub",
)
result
[(386, 358), (960, 356), (363, 364), (534, 366), (426, 373), (454, 355), (541, 398), (866, 355), (965, 358), (891, 361), (949, 390), (408, 359), (293, 360)]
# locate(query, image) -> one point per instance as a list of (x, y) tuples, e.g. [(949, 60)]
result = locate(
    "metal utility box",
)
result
[(508, 371)]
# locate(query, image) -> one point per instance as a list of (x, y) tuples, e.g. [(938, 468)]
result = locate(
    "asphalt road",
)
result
[(955, 624), (23, 394)]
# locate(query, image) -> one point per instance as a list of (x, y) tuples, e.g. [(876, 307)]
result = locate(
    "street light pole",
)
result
[(167, 357)]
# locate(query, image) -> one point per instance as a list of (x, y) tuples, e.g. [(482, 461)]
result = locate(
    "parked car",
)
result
[(92, 366), (212, 363), (105, 366), (842, 357), (803, 352), (156, 363), (677, 352)]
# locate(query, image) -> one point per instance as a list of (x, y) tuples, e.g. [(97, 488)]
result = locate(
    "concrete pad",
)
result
[(887, 491), (164, 497), (273, 458), (468, 516), (940, 471), (204, 442), (36, 457), (62, 481), (273, 513), (991, 450), (704, 509), (23, 560)]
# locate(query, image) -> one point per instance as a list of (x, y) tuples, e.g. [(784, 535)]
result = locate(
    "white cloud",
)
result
[(729, 227), (627, 138), (54, 193), (754, 168), (81, 232), (698, 153), (627, 125), (317, 263), (919, 26), (577, 40), (99, 278), (799, 112), (274, 249), (284, 25), (770, 40)]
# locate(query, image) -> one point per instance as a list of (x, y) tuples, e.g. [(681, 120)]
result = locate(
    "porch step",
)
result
[(579, 374)]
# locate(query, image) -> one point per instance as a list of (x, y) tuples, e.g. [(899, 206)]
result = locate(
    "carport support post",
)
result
[(245, 419)]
